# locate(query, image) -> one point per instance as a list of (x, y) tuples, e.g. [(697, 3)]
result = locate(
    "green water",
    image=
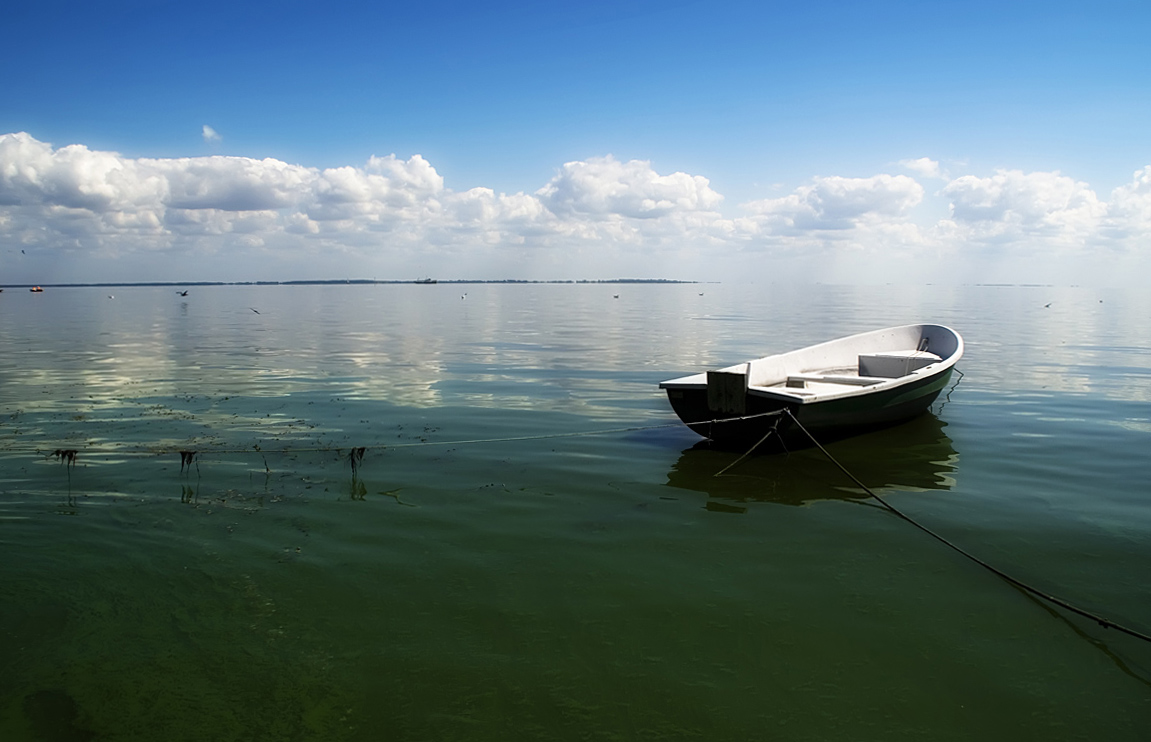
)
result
[(585, 587)]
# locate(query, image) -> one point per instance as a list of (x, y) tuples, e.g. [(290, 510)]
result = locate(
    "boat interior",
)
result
[(848, 364), (841, 367)]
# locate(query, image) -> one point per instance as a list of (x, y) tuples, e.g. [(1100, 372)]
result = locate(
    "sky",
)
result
[(825, 141)]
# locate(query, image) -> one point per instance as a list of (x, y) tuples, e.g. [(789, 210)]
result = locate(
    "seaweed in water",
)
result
[(66, 456), (356, 459)]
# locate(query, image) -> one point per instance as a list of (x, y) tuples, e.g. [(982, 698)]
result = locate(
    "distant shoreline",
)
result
[(338, 282)]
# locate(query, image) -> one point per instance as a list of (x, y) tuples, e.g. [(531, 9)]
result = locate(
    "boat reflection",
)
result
[(915, 456)]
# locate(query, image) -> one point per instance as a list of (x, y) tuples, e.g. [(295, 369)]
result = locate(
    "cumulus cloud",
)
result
[(603, 187), (1013, 205), (600, 212), (71, 177), (835, 203), (229, 183), (924, 167), (1128, 221), (210, 134), (72, 197)]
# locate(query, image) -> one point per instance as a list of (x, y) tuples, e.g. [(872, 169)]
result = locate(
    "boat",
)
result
[(36, 290), (426, 281), (833, 390)]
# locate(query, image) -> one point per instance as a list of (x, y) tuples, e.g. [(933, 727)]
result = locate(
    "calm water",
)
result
[(588, 587)]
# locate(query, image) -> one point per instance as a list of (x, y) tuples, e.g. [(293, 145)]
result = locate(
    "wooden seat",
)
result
[(799, 381)]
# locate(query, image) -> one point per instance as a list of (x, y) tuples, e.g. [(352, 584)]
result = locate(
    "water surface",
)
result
[(487, 574)]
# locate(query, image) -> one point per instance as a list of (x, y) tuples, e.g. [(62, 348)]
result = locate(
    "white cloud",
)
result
[(1013, 206), (1128, 221), (387, 187), (590, 220), (210, 134), (835, 203), (605, 187), (72, 176), (925, 167), (230, 183)]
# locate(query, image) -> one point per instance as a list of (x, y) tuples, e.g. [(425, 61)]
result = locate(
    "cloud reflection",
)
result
[(207, 363)]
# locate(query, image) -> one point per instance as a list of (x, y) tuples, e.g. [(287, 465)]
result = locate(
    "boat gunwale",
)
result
[(699, 381)]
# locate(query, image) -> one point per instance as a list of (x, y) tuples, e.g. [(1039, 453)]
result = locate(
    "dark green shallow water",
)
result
[(597, 587)]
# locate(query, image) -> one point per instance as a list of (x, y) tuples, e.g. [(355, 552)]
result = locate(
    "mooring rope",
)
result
[(1104, 622), (772, 430)]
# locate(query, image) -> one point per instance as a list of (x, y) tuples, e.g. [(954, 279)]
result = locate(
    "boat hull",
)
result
[(828, 419)]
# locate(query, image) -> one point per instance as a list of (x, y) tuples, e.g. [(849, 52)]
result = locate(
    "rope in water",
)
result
[(1104, 622)]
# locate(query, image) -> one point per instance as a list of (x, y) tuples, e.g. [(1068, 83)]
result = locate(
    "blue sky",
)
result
[(719, 141)]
